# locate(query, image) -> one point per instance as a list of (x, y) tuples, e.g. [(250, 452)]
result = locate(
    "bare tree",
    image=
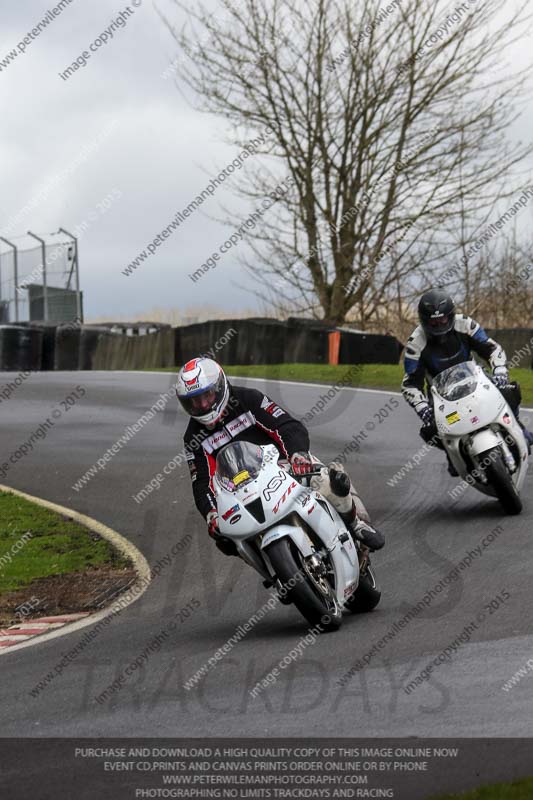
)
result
[(501, 285), (387, 126)]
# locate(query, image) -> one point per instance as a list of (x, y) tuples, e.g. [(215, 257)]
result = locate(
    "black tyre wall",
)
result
[(20, 348)]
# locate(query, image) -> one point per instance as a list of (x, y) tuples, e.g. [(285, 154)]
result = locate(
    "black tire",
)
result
[(500, 480), (307, 599), (366, 596)]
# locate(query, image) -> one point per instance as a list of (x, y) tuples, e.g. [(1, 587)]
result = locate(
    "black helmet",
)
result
[(436, 311)]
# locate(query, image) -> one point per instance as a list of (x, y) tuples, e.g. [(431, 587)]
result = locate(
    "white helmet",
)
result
[(203, 391)]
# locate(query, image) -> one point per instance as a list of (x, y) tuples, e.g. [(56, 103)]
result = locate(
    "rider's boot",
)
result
[(365, 533), (361, 531)]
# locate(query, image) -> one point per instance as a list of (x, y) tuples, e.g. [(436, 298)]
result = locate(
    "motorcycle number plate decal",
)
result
[(235, 519), (229, 512), (452, 418), (240, 477)]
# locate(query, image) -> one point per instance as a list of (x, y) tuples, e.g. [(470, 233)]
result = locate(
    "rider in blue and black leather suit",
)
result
[(442, 340)]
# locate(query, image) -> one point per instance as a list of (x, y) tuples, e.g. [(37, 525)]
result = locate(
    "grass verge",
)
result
[(54, 558), (518, 790), (371, 376)]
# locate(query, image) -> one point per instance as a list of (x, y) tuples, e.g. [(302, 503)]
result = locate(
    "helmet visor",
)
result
[(199, 404), (439, 325)]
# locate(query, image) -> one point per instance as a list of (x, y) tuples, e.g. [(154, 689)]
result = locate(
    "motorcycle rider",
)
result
[(442, 340), (221, 413)]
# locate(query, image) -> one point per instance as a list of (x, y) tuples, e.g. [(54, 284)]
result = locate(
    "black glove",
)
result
[(428, 431), (427, 416), (500, 377), (226, 546)]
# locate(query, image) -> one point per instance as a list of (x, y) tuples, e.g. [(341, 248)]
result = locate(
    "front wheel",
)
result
[(499, 478), (366, 596), (312, 595)]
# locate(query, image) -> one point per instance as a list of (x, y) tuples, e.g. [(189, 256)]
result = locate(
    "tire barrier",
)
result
[(35, 346), (20, 348), (67, 348), (49, 342), (49, 347)]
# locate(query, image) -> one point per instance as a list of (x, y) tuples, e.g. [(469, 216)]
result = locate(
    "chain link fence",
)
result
[(39, 278)]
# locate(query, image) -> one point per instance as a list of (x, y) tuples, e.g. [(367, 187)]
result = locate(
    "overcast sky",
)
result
[(158, 156), (149, 153)]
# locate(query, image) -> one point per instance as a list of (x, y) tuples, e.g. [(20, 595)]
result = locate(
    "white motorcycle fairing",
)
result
[(475, 419), (274, 505)]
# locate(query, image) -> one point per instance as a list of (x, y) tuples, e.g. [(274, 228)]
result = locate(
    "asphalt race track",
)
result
[(427, 531)]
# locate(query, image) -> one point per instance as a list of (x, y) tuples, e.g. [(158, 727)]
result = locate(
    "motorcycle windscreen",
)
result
[(237, 464), (456, 382)]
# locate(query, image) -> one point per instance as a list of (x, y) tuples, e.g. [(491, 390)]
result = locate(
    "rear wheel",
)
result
[(366, 596), (499, 478), (307, 585)]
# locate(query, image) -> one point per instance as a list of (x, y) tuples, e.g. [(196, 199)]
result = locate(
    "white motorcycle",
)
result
[(481, 435), (291, 535)]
